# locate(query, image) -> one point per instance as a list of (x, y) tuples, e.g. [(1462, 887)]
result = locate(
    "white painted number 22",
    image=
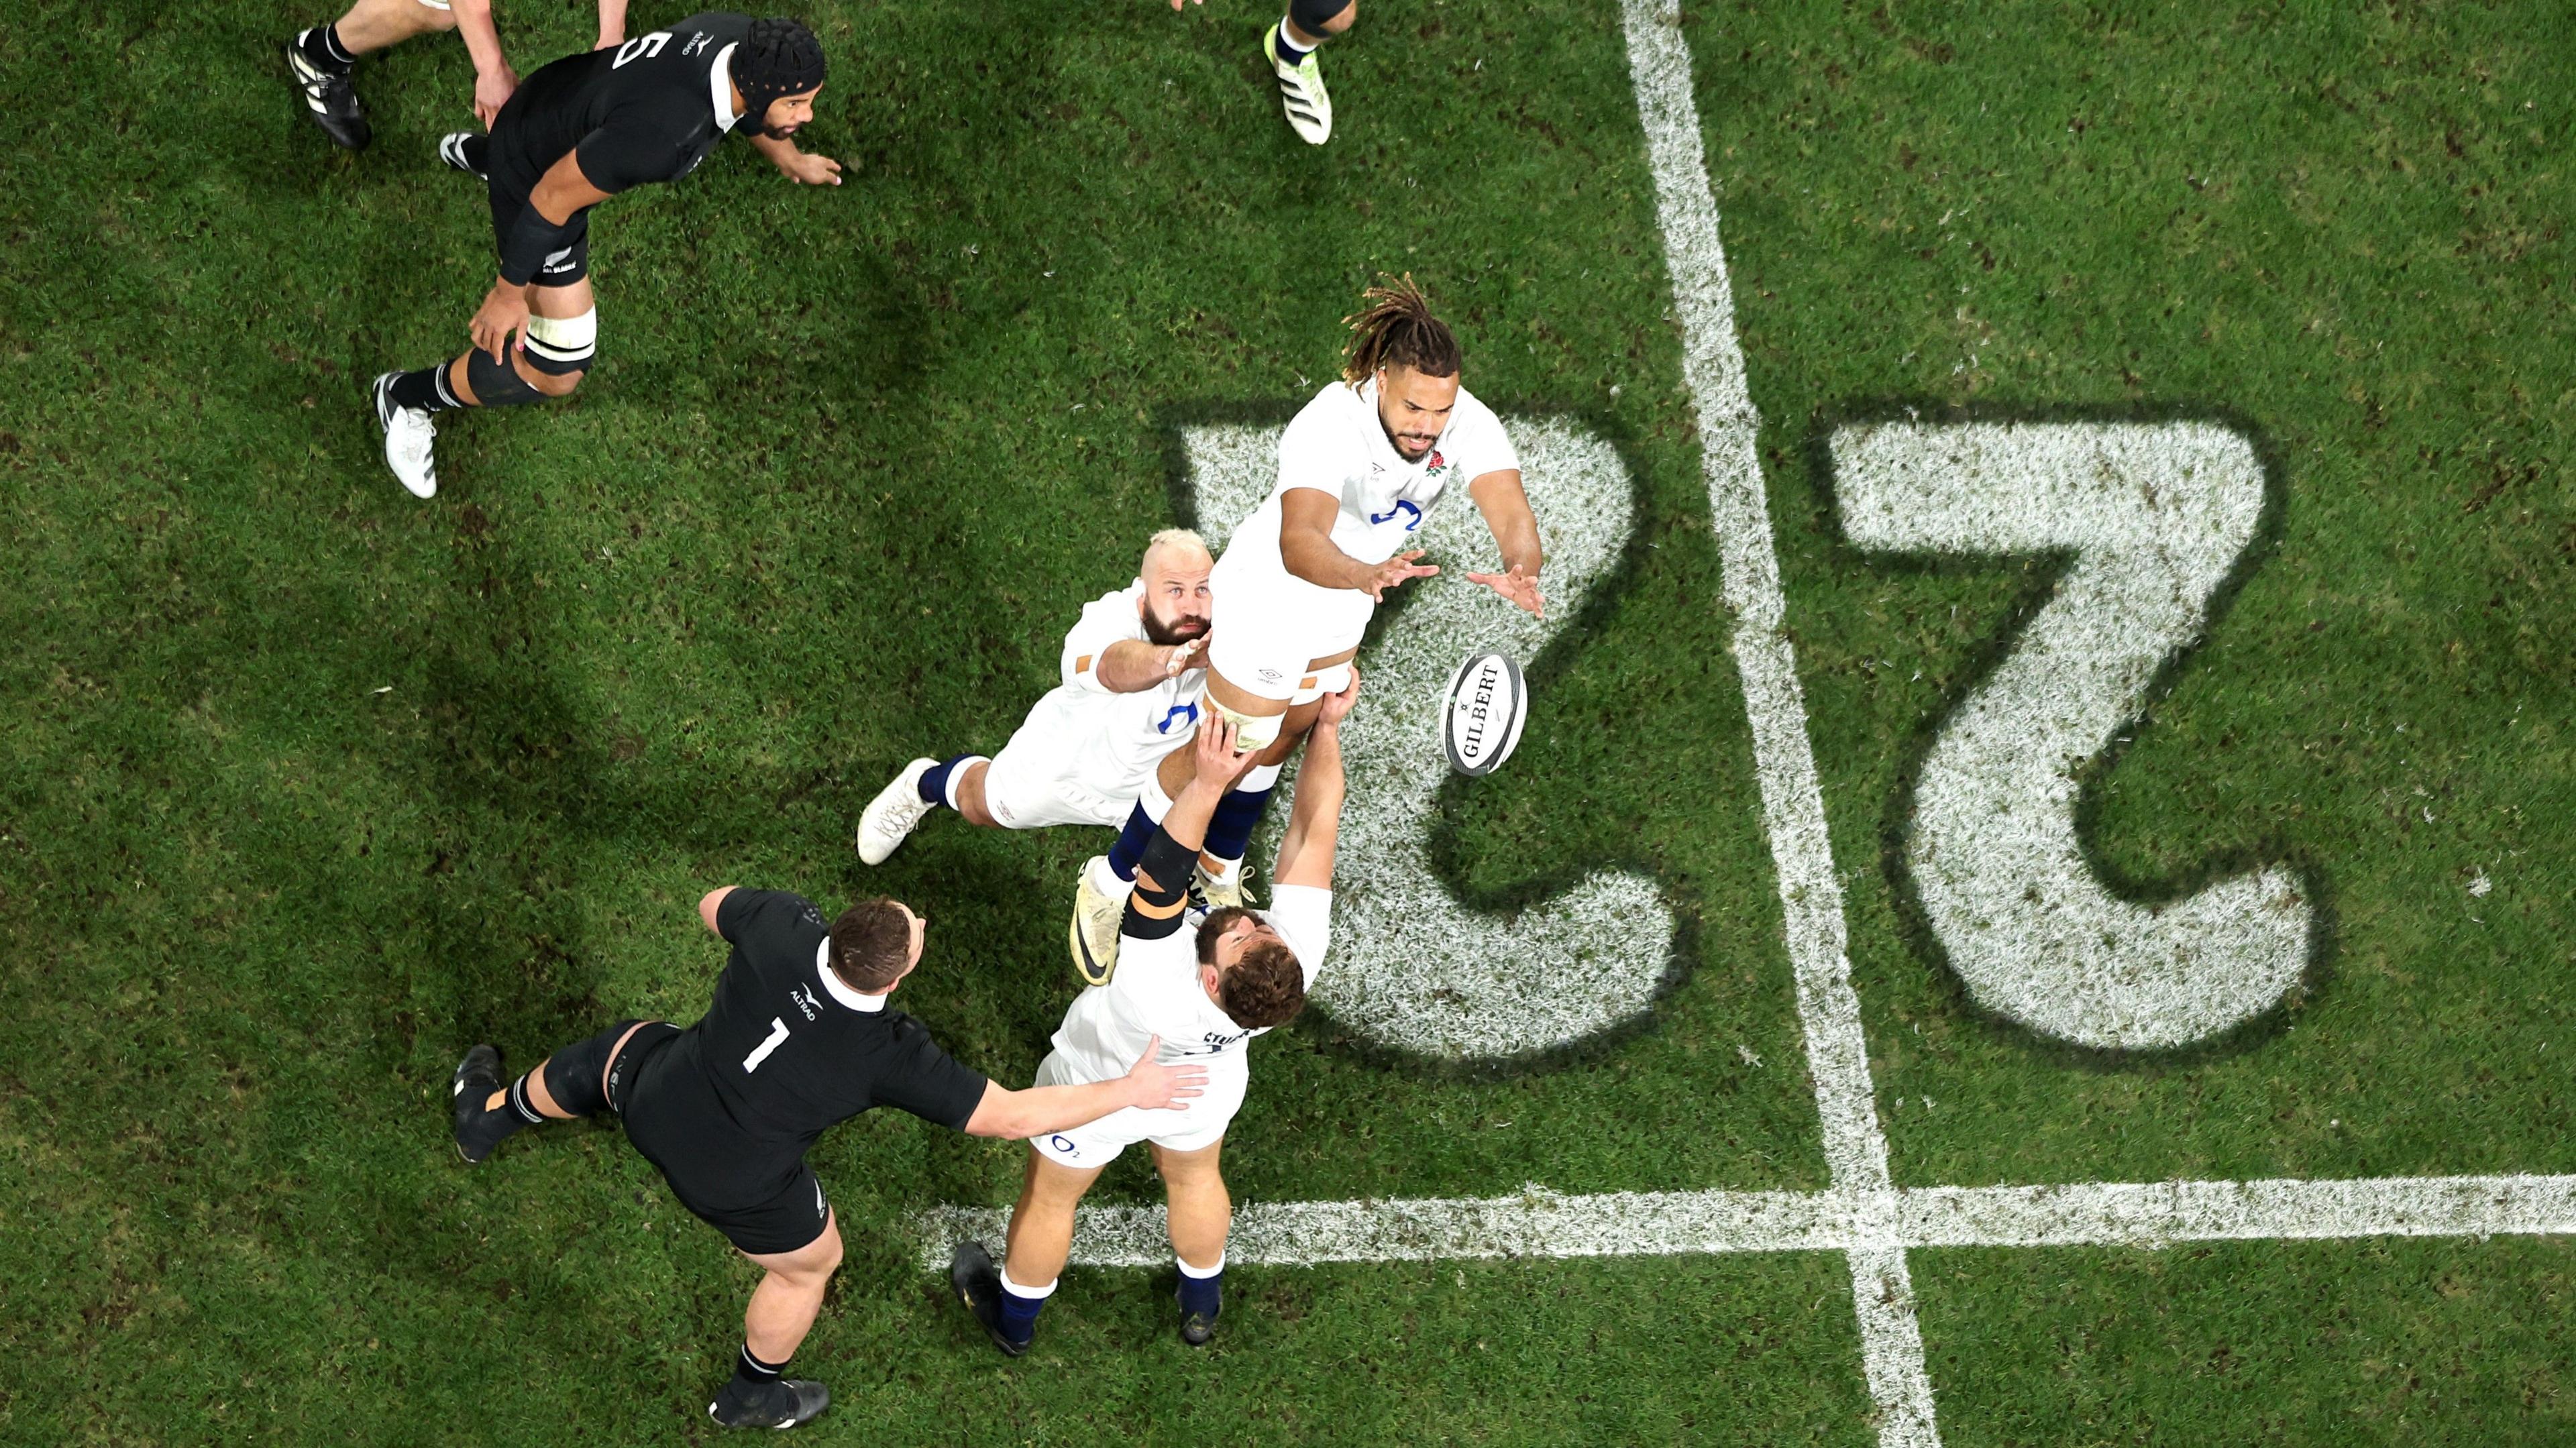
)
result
[(1414, 968), (2154, 516)]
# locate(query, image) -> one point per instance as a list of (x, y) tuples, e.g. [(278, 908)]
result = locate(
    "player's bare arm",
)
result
[(1131, 666), (1314, 821), (1017, 1115), (612, 24), (1505, 504), (1306, 548), (494, 80)]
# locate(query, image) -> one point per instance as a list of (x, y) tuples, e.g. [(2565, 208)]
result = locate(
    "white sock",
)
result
[(1105, 880), (1016, 1290), (1200, 1273), (959, 773)]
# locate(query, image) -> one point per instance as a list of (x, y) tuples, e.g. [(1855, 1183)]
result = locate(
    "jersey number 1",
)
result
[(777, 1038)]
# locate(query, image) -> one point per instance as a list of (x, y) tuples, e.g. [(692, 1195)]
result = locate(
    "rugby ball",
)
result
[(1481, 717)]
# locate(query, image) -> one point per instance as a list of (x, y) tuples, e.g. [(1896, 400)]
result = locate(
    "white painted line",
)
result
[(1539, 1224), (1793, 807), (2148, 1214)]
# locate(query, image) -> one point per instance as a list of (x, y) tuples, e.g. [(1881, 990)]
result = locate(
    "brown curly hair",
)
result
[(1265, 987)]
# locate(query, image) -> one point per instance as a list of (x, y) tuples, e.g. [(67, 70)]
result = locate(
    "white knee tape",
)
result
[(1251, 731), (564, 341)]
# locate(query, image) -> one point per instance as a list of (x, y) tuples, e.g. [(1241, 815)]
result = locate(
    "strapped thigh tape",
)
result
[(563, 344)]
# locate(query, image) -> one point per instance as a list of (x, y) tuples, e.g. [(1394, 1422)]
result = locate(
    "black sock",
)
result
[(425, 389), (498, 1124), (1290, 52), (321, 45), (751, 1372)]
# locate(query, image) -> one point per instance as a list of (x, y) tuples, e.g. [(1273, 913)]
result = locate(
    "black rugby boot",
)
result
[(978, 1284), (778, 1403), (478, 1130), (329, 99)]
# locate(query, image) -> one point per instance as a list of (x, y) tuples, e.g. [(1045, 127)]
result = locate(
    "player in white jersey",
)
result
[(1206, 992), (1130, 677), (1360, 470)]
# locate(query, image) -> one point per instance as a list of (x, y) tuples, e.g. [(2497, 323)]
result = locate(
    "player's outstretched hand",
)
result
[(492, 90), (1164, 1088), (1399, 569), (1516, 586), (501, 323), (1184, 657), (1337, 706), (807, 169), (1176, 5)]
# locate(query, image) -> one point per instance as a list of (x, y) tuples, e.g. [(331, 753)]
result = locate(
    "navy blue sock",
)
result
[(1229, 831), (1020, 1315), (1203, 1295), (934, 781), (1129, 852)]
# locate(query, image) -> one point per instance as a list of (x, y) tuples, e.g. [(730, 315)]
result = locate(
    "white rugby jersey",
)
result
[(1337, 445), (1112, 740), (1156, 992)]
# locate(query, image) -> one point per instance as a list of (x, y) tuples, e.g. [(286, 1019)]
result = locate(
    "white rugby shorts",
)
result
[(1098, 1144), (1266, 629)]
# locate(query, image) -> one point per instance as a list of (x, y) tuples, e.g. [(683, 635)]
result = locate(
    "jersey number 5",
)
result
[(646, 46)]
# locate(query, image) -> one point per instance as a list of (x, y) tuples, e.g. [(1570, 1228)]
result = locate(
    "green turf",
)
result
[(305, 785)]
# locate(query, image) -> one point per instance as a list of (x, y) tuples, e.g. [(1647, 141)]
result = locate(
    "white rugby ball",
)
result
[(1481, 718)]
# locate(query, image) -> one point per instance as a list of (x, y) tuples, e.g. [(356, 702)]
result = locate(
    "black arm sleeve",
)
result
[(927, 1081), (1162, 888)]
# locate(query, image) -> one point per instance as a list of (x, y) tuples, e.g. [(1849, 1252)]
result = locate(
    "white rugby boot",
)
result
[(1093, 937), (1301, 91), (410, 435), (893, 813)]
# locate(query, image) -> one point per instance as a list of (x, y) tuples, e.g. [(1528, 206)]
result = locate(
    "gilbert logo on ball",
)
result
[(1481, 718)]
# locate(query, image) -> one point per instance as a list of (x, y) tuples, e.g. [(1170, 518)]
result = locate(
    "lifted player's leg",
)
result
[(781, 1312), (1007, 1301), (1201, 1212), (924, 785), (561, 343), (321, 59), (1290, 46), (579, 1080)]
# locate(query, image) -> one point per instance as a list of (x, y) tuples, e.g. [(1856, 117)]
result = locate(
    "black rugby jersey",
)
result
[(728, 1108), (648, 110)]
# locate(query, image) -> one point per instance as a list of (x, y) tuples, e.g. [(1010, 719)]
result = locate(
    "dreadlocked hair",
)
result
[(1396, 329)]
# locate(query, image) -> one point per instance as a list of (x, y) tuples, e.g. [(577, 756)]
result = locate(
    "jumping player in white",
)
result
[(1205, 992), (323, 58), (1130, 676), (1360, 469)]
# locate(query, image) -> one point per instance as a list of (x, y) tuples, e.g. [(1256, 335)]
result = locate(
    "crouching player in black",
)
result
[(798, 1038), (574, 134)]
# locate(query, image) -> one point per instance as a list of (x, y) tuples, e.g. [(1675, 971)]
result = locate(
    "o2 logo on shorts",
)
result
[(1186, 714), (1064, 1143), (1411, 511)]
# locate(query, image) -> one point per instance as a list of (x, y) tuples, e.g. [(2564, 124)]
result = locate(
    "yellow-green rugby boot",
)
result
[(1301, 91)]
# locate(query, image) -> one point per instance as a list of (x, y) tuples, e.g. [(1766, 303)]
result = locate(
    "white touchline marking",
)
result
[(1539, 1224), (1793, 807), (1411, 967), (2155, 515)]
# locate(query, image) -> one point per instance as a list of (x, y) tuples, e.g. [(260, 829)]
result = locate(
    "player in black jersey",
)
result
[(322, 58), (798, 1038), (576, 133)]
